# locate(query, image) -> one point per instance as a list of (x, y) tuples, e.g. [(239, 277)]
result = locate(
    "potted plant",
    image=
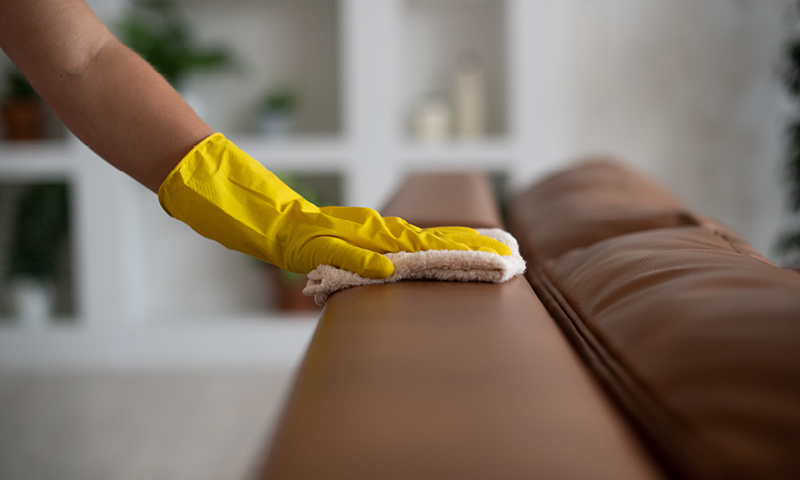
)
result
[(789, 242), (23, 114), (41, 231), (277, 111), (155, 30)]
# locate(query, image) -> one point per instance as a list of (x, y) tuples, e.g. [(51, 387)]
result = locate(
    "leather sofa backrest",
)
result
[(694, 334), (698, 342), (596, 200)]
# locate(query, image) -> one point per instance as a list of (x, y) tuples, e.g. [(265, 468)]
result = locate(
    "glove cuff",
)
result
[(163, 189)]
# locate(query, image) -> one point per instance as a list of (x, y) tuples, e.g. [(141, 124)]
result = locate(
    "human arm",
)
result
[(106, 94)]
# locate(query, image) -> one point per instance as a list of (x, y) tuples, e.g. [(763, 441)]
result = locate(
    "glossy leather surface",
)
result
[(432, 380), (700, 343), (446, 199), (589, 203), (693, 332), (436, 380)]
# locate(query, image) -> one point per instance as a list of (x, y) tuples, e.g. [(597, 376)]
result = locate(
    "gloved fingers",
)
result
[(432, 240), (478, 242), (358, 215), (327, 250), (411, 241), (393, 234), (397, 222), (449, 230), (364, 216), (397, 225)]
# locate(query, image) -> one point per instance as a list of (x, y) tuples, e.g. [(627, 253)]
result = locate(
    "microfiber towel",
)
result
[(444, 265)]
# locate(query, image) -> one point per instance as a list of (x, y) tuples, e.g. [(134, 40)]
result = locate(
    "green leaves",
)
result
[(791, 68), (155, 31), (18, 84), (790, 72), (792, 167), (41, 228)]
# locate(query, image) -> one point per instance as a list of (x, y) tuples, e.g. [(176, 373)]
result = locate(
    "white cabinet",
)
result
[(361, 67)]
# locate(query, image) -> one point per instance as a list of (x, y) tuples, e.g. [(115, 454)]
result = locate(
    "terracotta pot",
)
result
[(289, 295), (23, 119)]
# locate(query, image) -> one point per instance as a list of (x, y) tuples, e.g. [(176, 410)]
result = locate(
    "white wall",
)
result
[(686, 91)]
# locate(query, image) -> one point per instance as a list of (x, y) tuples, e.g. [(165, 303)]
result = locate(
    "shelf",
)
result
[(11, 147), (36, 160), (12, 323), (492, 152)]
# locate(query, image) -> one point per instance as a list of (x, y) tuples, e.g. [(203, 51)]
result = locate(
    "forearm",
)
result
[(128, 114), (103, 92)]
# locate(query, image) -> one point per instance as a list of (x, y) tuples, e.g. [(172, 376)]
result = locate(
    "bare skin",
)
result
[(106, 94)]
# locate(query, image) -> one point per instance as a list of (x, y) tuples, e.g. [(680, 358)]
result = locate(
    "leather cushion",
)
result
[(588, 203), (697, 341)]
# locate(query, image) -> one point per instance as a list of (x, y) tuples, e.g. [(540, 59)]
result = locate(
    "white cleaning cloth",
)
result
[(446, 265)]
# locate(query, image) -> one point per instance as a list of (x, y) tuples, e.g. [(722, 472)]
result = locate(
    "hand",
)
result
[(226, 195)]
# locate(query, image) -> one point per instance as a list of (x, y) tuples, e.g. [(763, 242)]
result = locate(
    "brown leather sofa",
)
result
[(678, 352), (693, 333)]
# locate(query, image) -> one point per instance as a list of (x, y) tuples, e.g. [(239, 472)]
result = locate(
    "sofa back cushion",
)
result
[(698, 342), (596, 200), (588, 203), (692, 331)]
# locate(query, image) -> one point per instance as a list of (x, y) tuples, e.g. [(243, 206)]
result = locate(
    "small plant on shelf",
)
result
[(41, 231), (277, 111), (155, 30), (23, 114)]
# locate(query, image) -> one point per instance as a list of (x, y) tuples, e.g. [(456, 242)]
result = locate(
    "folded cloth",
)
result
[(445, 265)]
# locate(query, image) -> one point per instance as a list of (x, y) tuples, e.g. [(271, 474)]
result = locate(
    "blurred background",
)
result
[(103, 296)]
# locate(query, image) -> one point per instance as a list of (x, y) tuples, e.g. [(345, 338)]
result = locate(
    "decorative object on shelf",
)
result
[(277, 112), (155, 30), (32, 302), (469, 97), (23, 111), (41, 232), (431, 122), (789, 242)]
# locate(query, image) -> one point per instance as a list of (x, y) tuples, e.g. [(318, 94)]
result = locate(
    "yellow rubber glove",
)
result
[(227, 196)]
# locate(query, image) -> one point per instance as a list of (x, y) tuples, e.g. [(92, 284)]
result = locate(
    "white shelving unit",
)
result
[(153, 292)]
